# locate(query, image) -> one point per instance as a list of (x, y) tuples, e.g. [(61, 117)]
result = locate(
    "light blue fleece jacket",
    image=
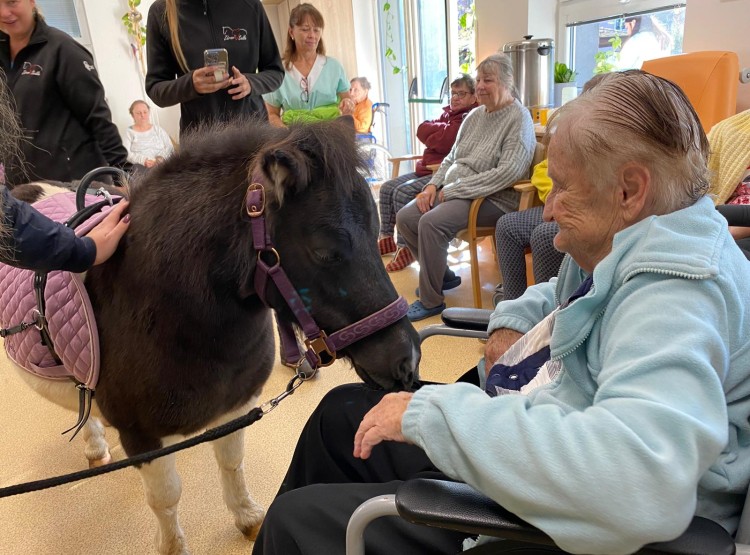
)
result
[(647, 424)]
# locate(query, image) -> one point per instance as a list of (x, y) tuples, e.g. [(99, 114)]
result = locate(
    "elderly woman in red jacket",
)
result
[(438, 137)]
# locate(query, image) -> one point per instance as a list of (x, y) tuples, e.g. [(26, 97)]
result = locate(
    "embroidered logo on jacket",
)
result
[(88, 66), (234, 34), (31, 69)]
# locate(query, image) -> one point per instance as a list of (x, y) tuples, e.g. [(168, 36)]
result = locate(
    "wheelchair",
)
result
[(458, 506), (377, 156)]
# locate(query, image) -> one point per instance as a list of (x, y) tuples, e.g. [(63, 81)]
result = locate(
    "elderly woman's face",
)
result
[(588, 216), (358, 92), (17, 17), (489, 90)]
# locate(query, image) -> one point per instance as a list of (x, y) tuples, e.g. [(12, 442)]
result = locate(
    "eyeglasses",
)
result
[(305, 95), (459, 94)]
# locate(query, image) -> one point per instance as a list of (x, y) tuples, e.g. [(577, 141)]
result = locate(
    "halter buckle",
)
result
[(255, 199), (319, 346)]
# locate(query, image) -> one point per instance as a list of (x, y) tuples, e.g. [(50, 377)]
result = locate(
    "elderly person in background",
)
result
[(493, 150), (438, 136), (314, 86), (362, 113), (636, 418), (147, 144)]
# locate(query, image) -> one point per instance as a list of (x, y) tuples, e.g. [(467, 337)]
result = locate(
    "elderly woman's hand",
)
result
[(205, 82), (243, 87), (382, 423), (346, 107), (498, 342), (426, 199)]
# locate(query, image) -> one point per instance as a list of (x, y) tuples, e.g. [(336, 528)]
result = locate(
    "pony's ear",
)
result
[(287, 171)]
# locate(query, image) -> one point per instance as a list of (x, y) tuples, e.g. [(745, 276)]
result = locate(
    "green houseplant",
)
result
[(565, 86), (563, 74)]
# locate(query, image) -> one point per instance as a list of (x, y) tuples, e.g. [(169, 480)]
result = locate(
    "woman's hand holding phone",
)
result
[(242, 88), (205, 80)]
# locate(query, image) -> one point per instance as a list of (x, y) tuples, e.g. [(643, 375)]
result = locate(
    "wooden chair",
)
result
[(473, 233)]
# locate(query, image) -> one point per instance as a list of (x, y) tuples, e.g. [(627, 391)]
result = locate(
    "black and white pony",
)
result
[(186, 341)]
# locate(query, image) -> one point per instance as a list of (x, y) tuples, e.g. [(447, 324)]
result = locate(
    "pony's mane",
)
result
[(330, 145)]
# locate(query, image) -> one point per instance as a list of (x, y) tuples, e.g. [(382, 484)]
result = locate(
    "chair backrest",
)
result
[(540, 153), (709, 79)]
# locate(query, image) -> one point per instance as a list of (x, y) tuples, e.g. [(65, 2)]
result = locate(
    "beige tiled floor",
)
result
[(107, 514)]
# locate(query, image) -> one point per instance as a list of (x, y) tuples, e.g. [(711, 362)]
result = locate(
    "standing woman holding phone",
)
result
[(315, 87), (179, 32)]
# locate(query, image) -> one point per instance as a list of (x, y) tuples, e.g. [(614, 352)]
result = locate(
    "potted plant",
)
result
[(565, 87)]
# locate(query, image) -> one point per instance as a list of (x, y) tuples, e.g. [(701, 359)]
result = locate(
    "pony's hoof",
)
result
[(106, 459), (251, 532), (176, 547)]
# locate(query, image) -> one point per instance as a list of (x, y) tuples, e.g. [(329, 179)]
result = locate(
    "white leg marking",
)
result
[(163, 489), (229, 452), (96, 449)]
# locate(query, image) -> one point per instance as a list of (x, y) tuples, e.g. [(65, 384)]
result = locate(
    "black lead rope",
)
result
[(214, 433), (251, 417)]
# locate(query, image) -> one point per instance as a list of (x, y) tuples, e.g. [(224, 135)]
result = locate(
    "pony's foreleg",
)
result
[(229, 451), (163, 490), (96, 450)]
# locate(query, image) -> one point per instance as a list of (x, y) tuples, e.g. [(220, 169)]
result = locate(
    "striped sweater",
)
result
[(492, 151)]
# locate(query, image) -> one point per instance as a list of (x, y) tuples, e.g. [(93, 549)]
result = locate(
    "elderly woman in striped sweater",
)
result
[(494, 148)]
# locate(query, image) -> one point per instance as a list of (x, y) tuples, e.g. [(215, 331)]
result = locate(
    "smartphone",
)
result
[(218, 58)]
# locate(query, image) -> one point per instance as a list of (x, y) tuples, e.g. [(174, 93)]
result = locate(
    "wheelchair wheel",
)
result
[(378, 162)]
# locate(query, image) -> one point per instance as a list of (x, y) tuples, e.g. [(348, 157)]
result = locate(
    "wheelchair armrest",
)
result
[(467, 318), (458, 506)]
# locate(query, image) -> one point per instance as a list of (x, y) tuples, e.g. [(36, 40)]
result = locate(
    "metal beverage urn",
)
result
[(534, 70)]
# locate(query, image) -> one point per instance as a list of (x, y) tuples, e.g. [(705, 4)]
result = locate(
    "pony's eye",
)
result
[(327, 256)]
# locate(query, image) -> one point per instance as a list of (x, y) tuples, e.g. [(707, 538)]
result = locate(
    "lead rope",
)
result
[(251, 417)]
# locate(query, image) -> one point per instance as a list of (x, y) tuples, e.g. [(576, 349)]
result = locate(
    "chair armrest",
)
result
[(529, 195), (396, 161), (458, 506), (405, 157), (467, 318)]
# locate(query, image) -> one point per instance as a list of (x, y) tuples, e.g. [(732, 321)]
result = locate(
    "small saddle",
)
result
[(68, 312)]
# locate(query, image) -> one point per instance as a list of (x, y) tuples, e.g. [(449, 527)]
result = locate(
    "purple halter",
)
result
[(317, 341)]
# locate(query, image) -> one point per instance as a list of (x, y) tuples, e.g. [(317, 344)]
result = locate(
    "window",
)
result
[(622, 41), (64, 15)]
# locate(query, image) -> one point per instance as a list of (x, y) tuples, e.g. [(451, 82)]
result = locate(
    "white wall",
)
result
[(502, 21)]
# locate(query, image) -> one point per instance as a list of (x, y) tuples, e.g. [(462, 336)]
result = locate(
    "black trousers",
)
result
[(325, 484)]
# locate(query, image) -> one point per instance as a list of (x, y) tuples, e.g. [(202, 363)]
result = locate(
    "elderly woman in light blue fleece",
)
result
[(493, 150), (628, 414)]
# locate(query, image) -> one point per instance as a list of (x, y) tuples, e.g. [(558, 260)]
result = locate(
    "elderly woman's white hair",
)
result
[(501, 66), (636, 116)]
